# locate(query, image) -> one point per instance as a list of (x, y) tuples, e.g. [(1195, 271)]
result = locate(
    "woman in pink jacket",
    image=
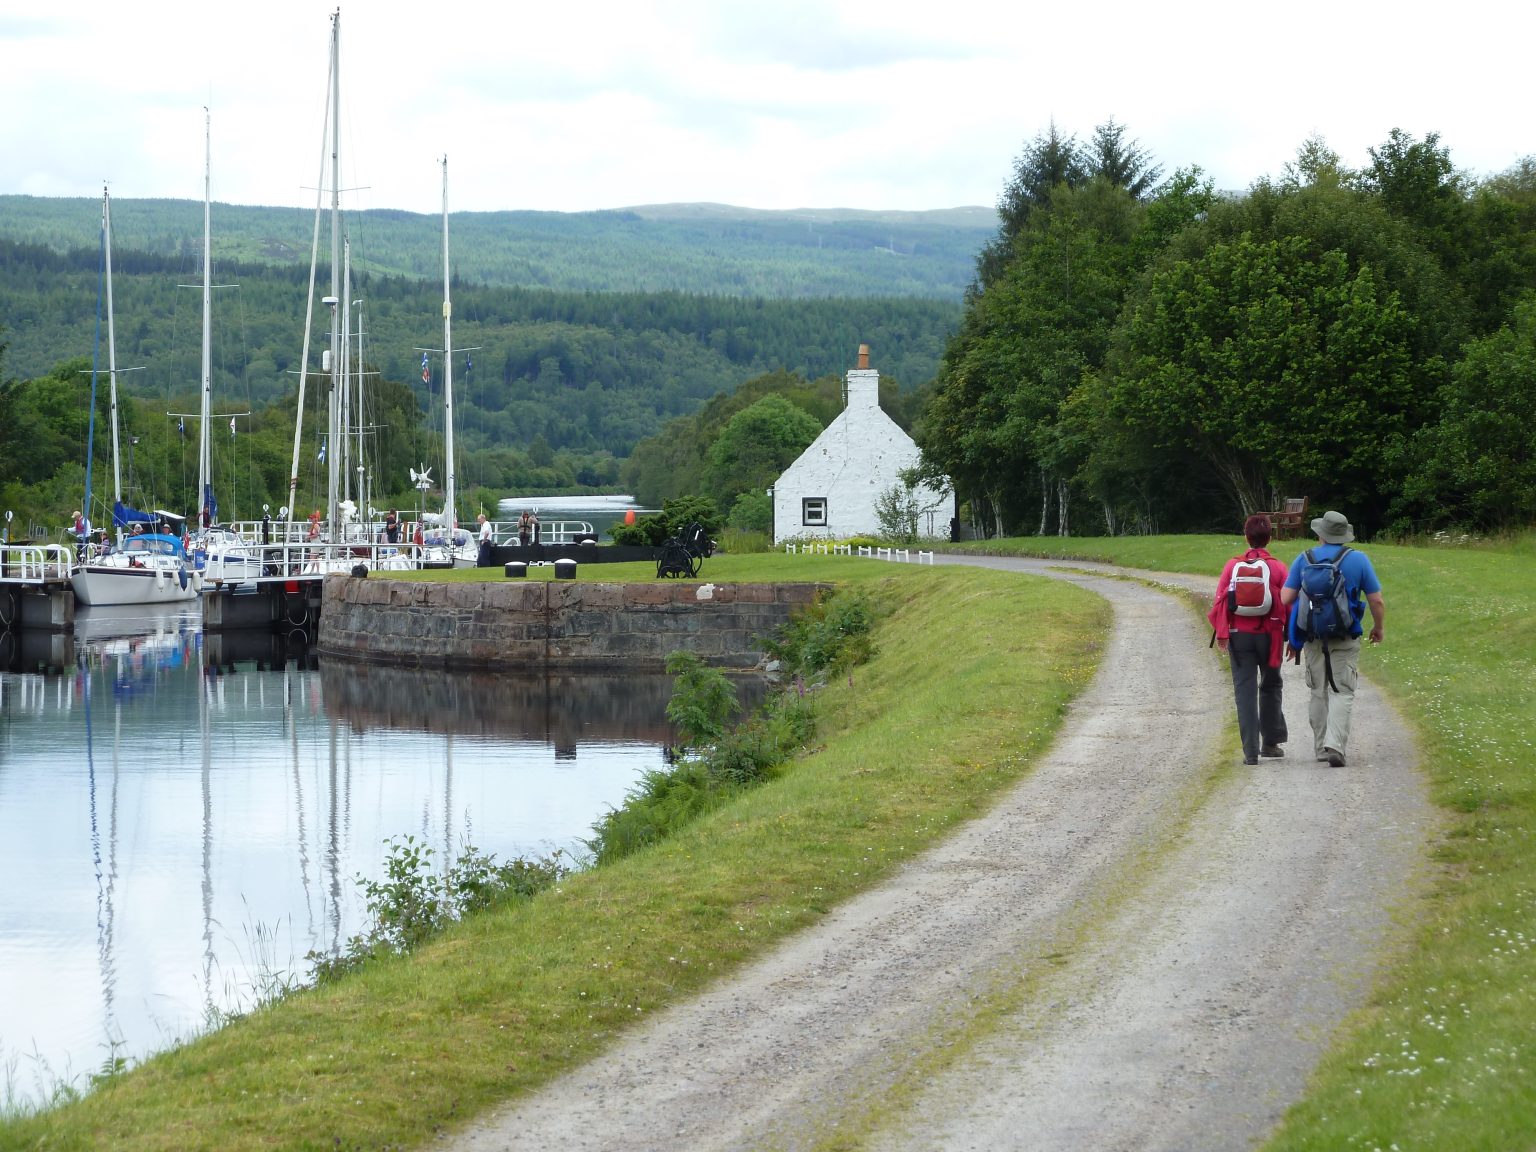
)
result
[(1250, 627)]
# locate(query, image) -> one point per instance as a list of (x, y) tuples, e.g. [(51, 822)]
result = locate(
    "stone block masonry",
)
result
[(547, 626)]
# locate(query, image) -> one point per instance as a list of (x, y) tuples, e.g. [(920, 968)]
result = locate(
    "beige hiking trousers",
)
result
[(1329, 710)]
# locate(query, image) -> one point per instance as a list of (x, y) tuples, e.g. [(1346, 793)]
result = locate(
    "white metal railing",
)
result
[(361, 532), (34, 563), (320, 557), (900, 555)]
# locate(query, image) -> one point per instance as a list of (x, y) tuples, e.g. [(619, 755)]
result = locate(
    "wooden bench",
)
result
[(1290, 521)]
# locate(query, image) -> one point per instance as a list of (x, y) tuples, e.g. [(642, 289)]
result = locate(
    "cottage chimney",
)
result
[(861, 387)]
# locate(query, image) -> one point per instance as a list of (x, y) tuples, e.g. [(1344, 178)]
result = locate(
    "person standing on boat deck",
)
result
[(487, 538), (524, 529), (207, 518), (392, 527)]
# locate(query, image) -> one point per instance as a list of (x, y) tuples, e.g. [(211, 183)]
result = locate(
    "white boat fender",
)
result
[(159, 577)]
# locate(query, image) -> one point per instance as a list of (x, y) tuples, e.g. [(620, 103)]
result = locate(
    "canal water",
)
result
[(184, 817)]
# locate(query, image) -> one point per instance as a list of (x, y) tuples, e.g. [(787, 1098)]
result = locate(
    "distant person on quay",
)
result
[(1327, 589), (1248, 619), (487, 538)]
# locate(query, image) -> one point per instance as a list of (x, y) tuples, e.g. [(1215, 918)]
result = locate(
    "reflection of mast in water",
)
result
[(204, 688), (333, 845), (448, 804), (290, 717), (106, 874)]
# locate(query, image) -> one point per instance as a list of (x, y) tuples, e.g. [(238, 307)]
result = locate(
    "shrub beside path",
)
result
[(1144, 945)]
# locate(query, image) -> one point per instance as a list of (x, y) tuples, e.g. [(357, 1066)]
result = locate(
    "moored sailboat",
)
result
[(148, 567)]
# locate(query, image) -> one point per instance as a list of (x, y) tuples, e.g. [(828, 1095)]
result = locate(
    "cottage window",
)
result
[(813, 511)]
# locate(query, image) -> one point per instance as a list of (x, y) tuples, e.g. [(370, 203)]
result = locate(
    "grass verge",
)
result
[(1442, 1055), (964, 692)]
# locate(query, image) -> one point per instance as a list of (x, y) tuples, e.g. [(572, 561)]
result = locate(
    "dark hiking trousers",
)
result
[(1256, 687)]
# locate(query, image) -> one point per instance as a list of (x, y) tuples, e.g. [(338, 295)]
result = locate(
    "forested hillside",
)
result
[(692, 248), (552, 388), (579, 370)]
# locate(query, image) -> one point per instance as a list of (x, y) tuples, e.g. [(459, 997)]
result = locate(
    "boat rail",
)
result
[(550, 531), (35, 563)]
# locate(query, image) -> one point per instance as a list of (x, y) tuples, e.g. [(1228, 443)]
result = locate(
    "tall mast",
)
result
[(450, 515), (363, 481), (309, 311), (204, 454), (117, 471), (344, 374), (337, 380)]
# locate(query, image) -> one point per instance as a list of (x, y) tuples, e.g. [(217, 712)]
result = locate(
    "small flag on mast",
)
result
[(321, 457), (231, 425), (426, 370)]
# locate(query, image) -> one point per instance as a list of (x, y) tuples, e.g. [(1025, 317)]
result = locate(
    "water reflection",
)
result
[(561, 710), (190, 813)]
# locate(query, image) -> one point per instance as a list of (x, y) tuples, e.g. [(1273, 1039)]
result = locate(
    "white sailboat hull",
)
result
[(103, 583)]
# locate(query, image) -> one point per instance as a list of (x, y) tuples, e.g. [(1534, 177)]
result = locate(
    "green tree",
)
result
[(1477, 463), (1416, 181), (756, 445), (1283, 372), (1023, 348), (1123, 163), (1048, 162)]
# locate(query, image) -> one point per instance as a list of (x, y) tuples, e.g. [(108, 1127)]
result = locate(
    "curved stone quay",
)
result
[(550, 625)]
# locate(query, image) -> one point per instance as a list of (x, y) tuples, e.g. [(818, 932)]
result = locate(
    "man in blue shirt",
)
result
[(1330, 703)]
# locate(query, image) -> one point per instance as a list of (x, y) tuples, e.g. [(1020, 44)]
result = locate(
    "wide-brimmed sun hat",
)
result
[(1333, 528)]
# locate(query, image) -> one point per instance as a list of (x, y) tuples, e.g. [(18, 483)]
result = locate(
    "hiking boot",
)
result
[(1273, 751), (1250, 759), (1334, 757)]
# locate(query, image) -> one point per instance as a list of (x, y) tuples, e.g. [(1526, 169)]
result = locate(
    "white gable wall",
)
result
[(854, 460)]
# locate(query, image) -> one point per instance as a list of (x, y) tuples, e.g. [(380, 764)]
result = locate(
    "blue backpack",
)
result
[(1323, 608)]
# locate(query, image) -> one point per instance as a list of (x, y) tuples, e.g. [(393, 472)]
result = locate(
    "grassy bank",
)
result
[(964, 691), (1441, 1058)]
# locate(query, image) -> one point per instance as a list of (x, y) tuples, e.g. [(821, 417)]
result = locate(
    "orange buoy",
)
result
[(629, 516)]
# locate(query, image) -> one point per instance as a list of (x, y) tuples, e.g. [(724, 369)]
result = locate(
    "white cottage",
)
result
[(832, 489)]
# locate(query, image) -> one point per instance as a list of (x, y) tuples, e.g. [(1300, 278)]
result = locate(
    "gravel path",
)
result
[(1139, 947)]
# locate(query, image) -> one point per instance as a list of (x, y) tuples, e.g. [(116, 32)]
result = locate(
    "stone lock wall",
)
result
[(550, 625)]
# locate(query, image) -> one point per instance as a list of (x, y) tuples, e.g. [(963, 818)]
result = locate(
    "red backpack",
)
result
[(1249, 593)]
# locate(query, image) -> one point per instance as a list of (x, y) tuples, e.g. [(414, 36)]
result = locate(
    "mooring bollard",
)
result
[(565, 568), (517, 569)]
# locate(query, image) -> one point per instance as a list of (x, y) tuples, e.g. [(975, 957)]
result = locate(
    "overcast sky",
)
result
[(586, 104)]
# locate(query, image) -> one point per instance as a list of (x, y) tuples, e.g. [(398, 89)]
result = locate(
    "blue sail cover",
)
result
[(122, 516)]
